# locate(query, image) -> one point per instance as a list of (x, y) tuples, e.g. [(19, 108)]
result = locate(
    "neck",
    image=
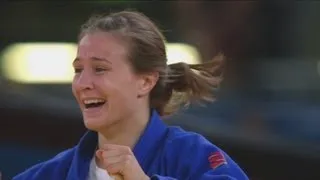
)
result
[(125, 132)]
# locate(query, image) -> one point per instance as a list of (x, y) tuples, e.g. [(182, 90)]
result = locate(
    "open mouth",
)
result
[(93, 103)]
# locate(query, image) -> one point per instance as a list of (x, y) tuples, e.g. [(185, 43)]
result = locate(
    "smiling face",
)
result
[(105, 86)]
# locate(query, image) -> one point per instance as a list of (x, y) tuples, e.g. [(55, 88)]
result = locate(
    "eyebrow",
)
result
[(93, 59)]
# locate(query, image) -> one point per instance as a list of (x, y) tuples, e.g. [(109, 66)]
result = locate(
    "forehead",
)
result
[(100, 44)]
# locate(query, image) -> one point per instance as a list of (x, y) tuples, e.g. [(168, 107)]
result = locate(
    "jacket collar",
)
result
[(152, 136)]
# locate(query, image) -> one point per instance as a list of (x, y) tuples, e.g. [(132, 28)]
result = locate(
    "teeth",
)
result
[(91, 101)]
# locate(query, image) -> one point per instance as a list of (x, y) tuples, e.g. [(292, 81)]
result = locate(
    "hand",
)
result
[(117, 159)]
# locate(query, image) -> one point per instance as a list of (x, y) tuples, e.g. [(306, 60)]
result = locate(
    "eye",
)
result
[(99, 69), (77, 70)]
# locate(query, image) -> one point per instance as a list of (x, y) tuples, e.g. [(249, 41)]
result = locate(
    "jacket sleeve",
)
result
[(29, 173), (51, 169), (192, 157)]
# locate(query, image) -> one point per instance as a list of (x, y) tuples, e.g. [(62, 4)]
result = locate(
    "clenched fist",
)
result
[(120, 160)]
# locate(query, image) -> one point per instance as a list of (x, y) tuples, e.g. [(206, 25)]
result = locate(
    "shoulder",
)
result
[(47, 168), (186, 139), (194, 152)]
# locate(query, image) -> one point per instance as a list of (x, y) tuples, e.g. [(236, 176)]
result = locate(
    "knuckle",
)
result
[(127, 149), (127, 157)]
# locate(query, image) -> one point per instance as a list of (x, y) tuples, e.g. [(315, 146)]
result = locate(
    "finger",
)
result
[(112, 160), (116, 168), (99, 153), (124, 149), (108, 153), (117, 164)]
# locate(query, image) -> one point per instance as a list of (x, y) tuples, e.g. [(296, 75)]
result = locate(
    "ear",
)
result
[(146, 83)]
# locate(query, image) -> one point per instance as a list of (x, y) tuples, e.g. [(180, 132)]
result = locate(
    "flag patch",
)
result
[(216, 160)]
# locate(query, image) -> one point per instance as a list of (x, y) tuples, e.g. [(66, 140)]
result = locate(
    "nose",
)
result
[(83, 81)]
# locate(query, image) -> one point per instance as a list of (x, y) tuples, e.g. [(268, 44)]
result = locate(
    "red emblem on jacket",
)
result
[(216, 159)]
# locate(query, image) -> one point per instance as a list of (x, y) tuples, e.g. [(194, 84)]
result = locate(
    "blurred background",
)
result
[(267, 111)]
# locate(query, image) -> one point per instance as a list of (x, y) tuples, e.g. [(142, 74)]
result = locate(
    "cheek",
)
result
[(125, 100), (131, 94), (120, 90)]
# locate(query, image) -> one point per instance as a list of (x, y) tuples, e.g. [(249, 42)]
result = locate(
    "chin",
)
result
[(94, 124)]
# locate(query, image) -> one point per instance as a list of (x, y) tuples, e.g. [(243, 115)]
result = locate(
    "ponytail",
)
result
[(187, 83)]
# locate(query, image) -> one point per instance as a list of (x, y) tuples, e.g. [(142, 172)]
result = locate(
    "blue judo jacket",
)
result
[(164, 153)]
